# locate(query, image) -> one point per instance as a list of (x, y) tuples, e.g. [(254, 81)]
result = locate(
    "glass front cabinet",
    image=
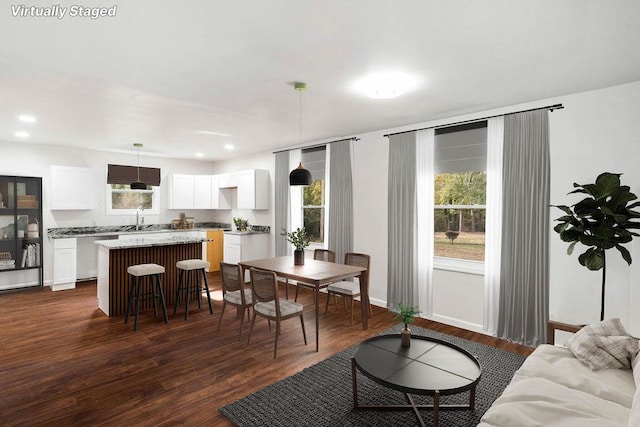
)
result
[(21, 228)]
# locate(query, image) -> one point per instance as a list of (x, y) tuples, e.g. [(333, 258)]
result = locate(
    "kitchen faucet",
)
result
[(139, 216)]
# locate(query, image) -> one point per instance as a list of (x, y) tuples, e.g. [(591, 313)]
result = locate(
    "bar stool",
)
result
[(192, 267), (138, 273)]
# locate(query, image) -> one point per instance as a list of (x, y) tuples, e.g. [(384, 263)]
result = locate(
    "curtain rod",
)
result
[(353, 138), (548, 107)]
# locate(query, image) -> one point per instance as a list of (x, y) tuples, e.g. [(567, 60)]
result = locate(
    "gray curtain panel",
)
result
[(281, 194), (524, 270), (340, 237), (402, 273)]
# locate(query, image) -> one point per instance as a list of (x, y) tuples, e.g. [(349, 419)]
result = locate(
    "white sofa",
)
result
[(553, 388)]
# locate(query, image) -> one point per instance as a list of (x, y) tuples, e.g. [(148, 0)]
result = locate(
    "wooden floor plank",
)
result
[(63, 362)]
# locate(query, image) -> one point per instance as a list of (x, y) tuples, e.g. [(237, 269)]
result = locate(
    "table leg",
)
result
[(354, 383), (316, 296)]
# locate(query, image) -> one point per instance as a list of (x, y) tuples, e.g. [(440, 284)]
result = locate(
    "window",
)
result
[(460, 192), (122, 200), (313, 196)]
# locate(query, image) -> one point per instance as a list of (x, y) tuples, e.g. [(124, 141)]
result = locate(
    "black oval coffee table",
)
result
[(428, 367)]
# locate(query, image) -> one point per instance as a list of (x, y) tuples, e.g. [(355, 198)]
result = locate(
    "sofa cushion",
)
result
[(553, 388), (604, 345), (557, 364), (634, 417)]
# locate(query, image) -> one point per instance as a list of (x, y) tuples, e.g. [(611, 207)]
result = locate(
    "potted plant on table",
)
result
[(300, 240), (406, 314), (602, 220)]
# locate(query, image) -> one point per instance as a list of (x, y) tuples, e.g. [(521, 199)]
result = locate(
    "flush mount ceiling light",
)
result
[(385, 85), (138, 185), (21, 134), (211, 132), (300, 176), (228, 147), (26, 118), (199, 155)]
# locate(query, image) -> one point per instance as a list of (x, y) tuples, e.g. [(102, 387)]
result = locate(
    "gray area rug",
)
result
[(321, 395)]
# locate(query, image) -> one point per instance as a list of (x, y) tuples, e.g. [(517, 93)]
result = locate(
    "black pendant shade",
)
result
[(138, 185), (300, 176)]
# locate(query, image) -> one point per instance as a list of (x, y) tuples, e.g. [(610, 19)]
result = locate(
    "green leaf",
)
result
[(625, 253), (571, 247), (595, 260)]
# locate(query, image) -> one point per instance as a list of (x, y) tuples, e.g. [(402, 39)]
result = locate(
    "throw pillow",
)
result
[(604, 345)]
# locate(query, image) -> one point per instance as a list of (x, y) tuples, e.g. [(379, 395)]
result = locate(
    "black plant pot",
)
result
[(298, 257)]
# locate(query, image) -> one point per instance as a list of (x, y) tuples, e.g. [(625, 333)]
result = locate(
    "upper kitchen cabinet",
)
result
[(181, 191), (72, 188), (253, 189), (202, 192), (242, 190)]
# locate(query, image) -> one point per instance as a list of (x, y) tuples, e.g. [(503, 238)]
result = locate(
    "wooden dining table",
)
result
[(319, 274)]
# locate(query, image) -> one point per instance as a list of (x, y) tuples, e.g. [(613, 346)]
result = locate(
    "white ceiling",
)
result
[(161, 71)]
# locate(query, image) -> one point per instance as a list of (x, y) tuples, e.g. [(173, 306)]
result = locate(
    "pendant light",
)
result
[(300, 176), (138, 185)]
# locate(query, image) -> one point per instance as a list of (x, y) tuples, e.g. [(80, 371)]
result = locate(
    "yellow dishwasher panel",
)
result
[(214, 249)]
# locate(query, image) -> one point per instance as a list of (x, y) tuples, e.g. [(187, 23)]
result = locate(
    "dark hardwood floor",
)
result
[(63, 362)]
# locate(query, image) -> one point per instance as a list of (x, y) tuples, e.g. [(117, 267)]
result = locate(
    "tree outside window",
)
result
[(460, 215), (313, 210)]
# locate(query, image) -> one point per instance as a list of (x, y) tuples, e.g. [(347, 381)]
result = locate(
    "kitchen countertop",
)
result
[(98, 231), (244, 233), (140, 242)]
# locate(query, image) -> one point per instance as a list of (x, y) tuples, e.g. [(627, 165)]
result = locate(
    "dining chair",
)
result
[(234, 292), (319, 255), (268, 304), (348, 289)]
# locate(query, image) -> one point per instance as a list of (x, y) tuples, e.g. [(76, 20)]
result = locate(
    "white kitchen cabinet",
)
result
[(202, 192), (221, 198), (64, 264), (253, 189), (244, 247), (72, 188), (181, 191)]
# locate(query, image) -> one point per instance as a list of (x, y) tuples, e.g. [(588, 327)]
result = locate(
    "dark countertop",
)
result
[(112, 230)]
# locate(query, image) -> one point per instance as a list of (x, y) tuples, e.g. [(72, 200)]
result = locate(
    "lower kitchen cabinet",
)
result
[(242, 247), (215, 249), (64, 264)]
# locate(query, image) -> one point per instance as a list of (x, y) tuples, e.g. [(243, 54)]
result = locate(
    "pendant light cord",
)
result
[(300, 92)]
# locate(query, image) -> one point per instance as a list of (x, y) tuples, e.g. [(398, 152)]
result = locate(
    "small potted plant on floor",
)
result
[(406, 314), (300, 240)]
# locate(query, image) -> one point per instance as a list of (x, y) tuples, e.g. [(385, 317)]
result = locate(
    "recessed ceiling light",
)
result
[(26, 118), (385, 85), (228, 146), (210, 132), (199, 155), (21, 134)]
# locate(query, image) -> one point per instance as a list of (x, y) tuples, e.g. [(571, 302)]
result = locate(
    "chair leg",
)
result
[(242, 322), (138, 291), (180, 278), (326, 306), (275, 347), (224, 304), (206, 287), (162, 301), (132, 290), (253, 321), (297, 288), (304, 334), (186, 296), (155, 296), (351, 321)]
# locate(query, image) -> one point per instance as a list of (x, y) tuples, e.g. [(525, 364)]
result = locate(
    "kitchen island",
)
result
[(115, 256)]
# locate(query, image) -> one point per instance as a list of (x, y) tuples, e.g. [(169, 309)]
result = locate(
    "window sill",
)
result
[(459, 265)]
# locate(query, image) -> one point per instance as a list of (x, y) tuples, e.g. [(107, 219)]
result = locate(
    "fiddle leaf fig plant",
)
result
[(603, 220)]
